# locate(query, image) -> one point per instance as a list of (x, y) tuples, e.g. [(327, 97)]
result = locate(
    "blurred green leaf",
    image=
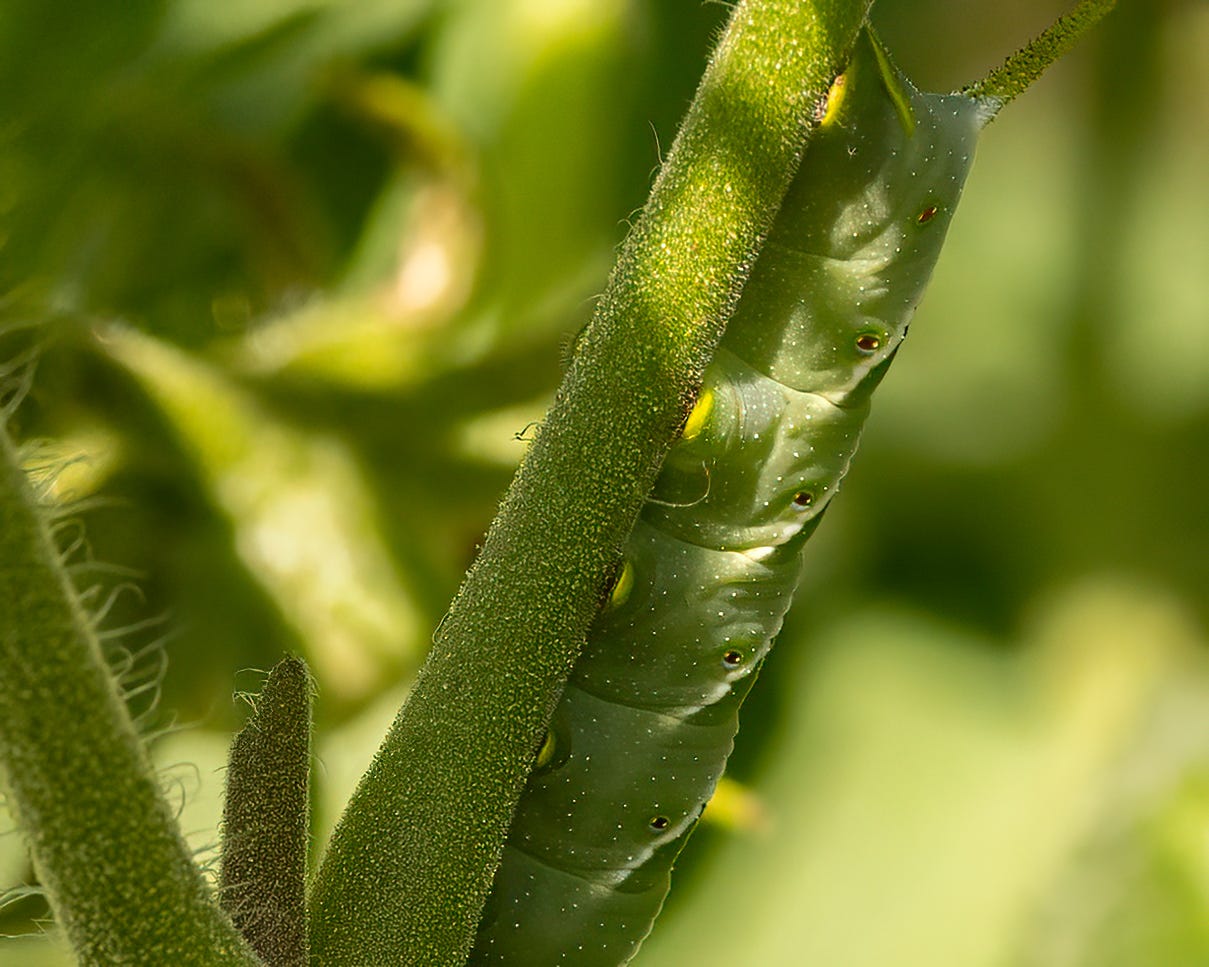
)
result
[(304, 523)]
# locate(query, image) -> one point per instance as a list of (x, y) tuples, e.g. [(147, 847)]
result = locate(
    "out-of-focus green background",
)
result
[(307, 269)]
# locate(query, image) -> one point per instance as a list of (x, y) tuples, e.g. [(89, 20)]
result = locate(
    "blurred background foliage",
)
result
[(304, 271)]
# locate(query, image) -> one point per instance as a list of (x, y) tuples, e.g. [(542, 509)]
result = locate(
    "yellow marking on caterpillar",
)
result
[(546, 753), (835, 97), (622, 586), (898, 94), (699, 416)]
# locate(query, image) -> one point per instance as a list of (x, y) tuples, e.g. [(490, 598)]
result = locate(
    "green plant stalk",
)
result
[(120, 879), (266, 818), (411, 862)]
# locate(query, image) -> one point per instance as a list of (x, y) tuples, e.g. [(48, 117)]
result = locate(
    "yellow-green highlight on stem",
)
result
[(120, 879), (411, 862)]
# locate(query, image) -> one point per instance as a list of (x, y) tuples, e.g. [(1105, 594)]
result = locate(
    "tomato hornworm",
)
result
[(648, 718)]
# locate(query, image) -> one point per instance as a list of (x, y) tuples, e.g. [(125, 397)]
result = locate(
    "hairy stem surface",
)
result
[(120, 878), (266, 819)]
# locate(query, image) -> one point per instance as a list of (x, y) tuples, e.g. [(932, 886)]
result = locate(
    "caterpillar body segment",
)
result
[(761, 470)]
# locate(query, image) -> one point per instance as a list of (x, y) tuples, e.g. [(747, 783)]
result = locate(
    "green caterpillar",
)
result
[(648, 718)]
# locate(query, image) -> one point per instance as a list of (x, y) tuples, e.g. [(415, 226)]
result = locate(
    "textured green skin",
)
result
[(649, 716)]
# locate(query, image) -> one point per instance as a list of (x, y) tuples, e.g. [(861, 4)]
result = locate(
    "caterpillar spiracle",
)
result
[(648, 718)]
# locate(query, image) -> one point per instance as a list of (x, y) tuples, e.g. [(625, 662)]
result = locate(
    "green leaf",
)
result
[(299, 502)]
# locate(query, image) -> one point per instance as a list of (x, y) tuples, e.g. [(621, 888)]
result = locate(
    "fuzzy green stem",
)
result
[(120, 879), (411, 862), (1021, 69), (266, 819)]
